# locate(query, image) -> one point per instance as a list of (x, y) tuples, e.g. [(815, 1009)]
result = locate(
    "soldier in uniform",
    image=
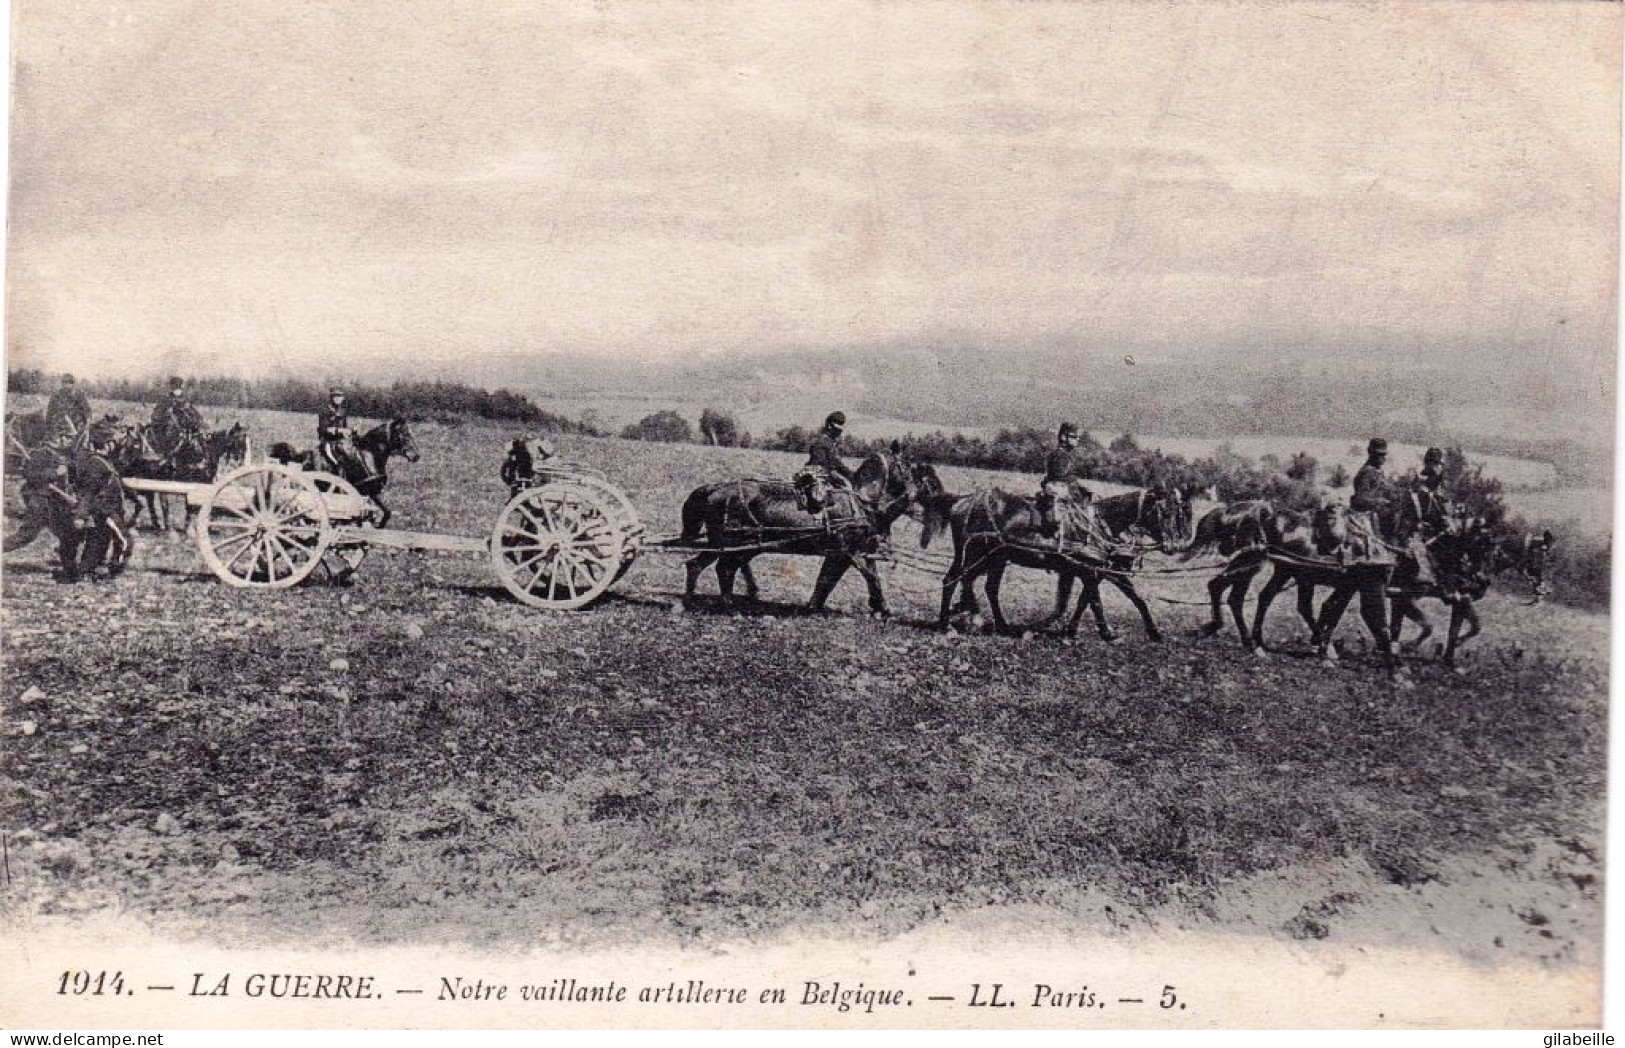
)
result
[(48, 504), (177, 422), (68, 410), (333, 434), (1372, 492), (1056, 491), (1432, 505), (518, 469), (100, 504), (825, 450), (1537, 555)]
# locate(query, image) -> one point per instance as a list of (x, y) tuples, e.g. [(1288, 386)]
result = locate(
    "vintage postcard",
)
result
[(854, 515)]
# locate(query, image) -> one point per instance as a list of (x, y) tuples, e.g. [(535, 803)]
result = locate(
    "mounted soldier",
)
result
[(333, 436), (824, 452), (1391, 519), (824, 471), (68, 410), (177, 425), (1432, 503), (1056, 491)]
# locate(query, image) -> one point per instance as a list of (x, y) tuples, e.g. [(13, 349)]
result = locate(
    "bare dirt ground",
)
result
[(414, 758)]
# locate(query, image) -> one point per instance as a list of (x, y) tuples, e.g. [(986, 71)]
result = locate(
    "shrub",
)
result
[(666, 427)]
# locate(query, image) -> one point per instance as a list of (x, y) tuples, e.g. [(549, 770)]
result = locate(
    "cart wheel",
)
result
[(263, 526), (341, 561), (560, 545)]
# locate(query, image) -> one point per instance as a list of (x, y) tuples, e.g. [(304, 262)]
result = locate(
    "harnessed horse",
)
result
[(769, 516)]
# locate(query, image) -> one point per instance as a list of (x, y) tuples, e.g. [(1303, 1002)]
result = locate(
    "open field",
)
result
[(416, 758)]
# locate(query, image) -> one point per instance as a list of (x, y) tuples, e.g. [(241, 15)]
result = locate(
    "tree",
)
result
[(667, 427), (1303, 467), (719, 428), (1339, 477), (1125, 445)]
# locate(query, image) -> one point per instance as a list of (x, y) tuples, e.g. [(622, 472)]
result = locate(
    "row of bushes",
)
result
[(441, 401)]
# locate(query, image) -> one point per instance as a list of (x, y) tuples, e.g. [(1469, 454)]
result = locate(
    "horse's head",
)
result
[(400, 439), (1329, 525)]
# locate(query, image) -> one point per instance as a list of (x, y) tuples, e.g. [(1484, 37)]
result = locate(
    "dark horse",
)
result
[(367, 470), (134, 454), (1161, 514), (743, 519), (1465, 559), (994, 529), (1320, 548)]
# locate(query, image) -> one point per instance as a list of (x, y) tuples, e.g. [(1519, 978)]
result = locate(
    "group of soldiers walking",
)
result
[(71, 489)]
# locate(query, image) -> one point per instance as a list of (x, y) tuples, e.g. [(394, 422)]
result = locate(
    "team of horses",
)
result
[(1097, 542)]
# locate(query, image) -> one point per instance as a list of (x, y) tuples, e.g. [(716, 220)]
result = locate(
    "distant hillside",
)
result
[(1517, 411)]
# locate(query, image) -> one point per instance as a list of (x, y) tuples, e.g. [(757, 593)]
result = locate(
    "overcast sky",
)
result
[(327, 185)]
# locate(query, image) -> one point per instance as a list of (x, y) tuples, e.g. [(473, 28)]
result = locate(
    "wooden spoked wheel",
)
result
[(560, 545), (342, 559), (264, 526)]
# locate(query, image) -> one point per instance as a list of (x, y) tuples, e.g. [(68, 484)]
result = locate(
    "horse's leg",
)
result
[(1125, 586), (696, 565), (1063, 596), (949, 582), (1462, 611), (752, 590), (1215, 593), (1331, 613), (829, 575), (728, 565), (1091, 596), (1279, 579), (383, 510), (1238, 603), (1374, 610), (871, 578), (995, 580), (1404, 608), (1306, 602)]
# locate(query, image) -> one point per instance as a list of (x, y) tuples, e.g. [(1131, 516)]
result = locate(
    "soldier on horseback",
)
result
[(333, 435), (1056, 490), (1372, 491), (178, 425), (68, 410), (1432, 504), (1377, 497), (824, 452)]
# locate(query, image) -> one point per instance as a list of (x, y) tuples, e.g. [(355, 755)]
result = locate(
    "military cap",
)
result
[(1433, 457), (176, 382), (67, 379), (836, 418), (1377, 446), (1067, 428)]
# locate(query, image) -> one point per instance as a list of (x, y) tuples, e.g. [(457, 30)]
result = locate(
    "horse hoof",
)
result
[(1109, 637), (1259, 652), (1155, 637)]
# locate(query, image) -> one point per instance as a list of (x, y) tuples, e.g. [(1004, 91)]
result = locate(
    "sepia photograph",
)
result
[(867, 515)]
